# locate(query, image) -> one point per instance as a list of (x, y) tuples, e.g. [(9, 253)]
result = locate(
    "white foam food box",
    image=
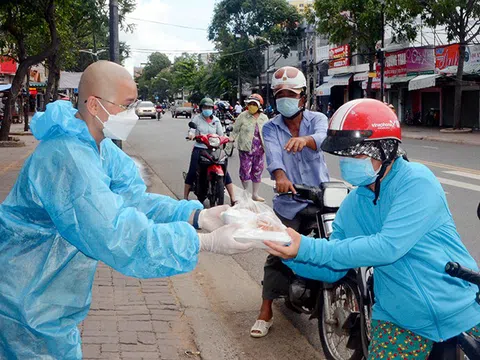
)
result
[(258, 236)]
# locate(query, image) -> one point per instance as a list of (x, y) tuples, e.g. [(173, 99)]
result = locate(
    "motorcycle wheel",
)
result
[(229, 149), (218, 193), (345, 295)]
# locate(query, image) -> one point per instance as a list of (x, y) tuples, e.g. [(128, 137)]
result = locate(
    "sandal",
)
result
[(261, 328), (258, 198)]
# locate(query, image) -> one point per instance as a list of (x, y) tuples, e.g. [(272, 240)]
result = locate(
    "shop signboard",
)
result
[(339, 56), (409, 62), (395, 64), (446, 59), (420, 61), (7, 65)]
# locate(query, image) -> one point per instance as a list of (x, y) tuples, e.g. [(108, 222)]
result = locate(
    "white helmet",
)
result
[(288, 78)]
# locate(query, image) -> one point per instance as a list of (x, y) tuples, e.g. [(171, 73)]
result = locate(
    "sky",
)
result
[(152, 36)]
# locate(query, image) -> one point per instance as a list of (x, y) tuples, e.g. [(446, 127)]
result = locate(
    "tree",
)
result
[(461, 19), (359, 22), (19, 21), (241, 28), (156, 63)]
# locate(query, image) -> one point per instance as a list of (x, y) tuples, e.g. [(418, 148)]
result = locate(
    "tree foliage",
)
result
[(359, 23), (242, 28)]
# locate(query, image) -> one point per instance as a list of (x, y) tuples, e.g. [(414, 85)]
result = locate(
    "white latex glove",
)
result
[(221, 241), (209, 219)]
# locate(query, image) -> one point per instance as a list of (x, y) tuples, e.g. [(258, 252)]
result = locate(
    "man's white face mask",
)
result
[(118, 126)]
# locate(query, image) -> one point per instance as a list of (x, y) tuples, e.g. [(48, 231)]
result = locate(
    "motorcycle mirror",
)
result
[(229, 128), (192, 125), (478, 211)]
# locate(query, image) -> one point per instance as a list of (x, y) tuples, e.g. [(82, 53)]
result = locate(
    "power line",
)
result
[(167, 24)]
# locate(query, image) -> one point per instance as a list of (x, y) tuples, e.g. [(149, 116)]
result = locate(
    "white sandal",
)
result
[(261, 328)]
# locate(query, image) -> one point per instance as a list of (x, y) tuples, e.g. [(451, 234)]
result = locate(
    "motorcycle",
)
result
[(343, 309), (159, 110), (227, 130), (210, 178)]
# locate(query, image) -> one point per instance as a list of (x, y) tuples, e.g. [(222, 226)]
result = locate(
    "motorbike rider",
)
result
[(223, 113), (206, 123), (398, 221), (292, 142)]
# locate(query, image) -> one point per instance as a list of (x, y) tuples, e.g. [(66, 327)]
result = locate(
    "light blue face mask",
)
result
[(358, 172), (288, 107), (207, 112)]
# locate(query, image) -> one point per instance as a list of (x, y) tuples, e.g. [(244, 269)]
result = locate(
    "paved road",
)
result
[(162, 145)]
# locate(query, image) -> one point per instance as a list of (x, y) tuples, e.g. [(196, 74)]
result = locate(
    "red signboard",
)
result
[(446, 56), (7, 65), (339, 56), (395, 63)]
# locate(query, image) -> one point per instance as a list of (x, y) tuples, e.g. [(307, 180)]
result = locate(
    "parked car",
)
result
[(182, 108), (146, 108)]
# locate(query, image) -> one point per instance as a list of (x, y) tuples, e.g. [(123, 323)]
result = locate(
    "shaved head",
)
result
[(105, 89)]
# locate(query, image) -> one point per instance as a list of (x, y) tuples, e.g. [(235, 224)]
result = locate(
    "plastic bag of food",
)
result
[(257, 220)]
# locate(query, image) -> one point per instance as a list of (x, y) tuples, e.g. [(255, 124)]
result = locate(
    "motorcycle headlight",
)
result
[(214, 141)]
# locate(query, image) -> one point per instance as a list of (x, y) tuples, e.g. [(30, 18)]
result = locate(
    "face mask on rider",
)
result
[(118, 126), (358, 172), (207, 112), (252, 109), (288, 107)]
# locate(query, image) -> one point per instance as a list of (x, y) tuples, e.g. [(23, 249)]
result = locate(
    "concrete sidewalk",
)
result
[(434, 134), (129, 318)]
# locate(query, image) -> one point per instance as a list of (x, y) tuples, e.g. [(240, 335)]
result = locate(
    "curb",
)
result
[(441, 139), (12, 143), (26, 133)]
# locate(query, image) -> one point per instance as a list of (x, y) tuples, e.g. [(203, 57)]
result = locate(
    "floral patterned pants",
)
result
[(391, 342)]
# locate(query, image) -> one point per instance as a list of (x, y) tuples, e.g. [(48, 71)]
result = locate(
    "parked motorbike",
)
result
[(343, 309), (210, 179)]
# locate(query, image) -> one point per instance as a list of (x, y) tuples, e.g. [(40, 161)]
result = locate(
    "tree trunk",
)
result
[(50, 80), (24, 65), (27, 108), (457, 113)]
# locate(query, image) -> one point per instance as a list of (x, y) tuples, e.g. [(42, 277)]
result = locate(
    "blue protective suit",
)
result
[(72, 206), (408, 237)]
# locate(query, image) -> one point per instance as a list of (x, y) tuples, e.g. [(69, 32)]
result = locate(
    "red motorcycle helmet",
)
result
[(358, 121), (365, 127), (255, 98)]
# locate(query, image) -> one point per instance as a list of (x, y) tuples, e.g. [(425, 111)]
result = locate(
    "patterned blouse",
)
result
[(244, 129)]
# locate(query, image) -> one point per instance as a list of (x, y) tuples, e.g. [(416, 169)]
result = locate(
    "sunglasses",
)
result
[(290, 73)]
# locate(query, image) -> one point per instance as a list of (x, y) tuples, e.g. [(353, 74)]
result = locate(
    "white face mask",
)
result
[(118, 126)]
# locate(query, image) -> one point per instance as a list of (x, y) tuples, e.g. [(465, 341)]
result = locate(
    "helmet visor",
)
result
[(338, 140)]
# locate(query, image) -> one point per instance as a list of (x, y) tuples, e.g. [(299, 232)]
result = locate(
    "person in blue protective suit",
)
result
[(398, 221), (78, 200)]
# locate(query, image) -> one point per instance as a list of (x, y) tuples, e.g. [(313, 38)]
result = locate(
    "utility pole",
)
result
[(114, 49), (382, 56), (311, 66), (268, 80)]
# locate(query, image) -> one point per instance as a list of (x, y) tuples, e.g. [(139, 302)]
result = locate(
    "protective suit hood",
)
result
[(59, 119)]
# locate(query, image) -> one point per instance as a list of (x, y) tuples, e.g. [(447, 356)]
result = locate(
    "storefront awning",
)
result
[(340, 80), (398, 79), (363, 76), (5, 87), (422, 82), (323, 90)]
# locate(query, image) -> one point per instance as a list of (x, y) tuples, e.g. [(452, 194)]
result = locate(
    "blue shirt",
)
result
[(408, 237), (306, 167), (205, 128)]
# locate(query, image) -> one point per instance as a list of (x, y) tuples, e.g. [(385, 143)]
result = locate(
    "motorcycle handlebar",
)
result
[(456, 270)]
